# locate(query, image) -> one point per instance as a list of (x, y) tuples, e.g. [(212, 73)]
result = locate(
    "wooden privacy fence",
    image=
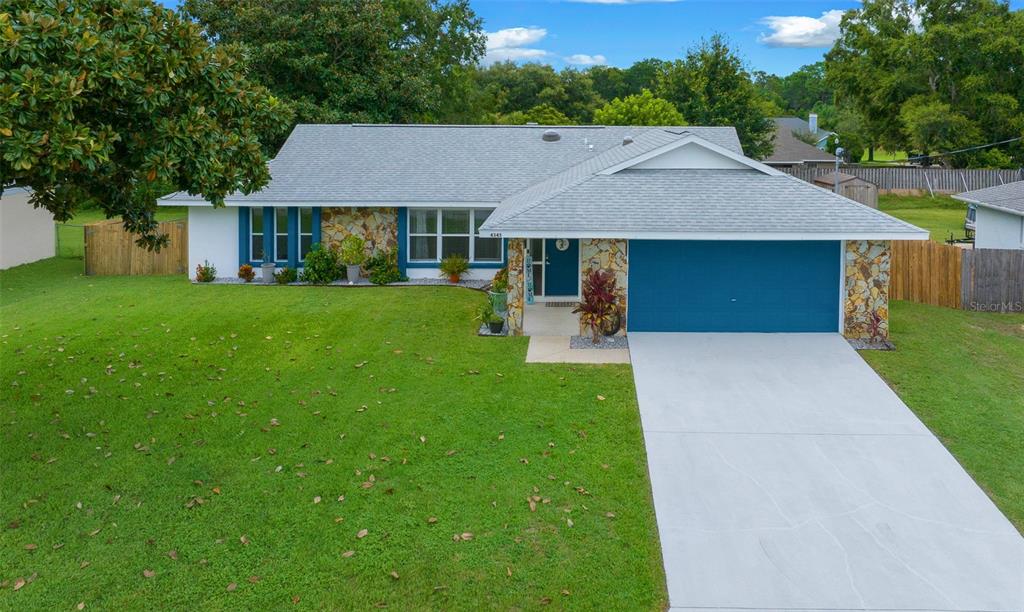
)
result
[(111, 251), (944, 275), (926, 272), (916, 178)]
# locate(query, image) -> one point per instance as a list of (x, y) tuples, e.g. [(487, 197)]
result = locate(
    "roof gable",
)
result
[(1008, 197), (690, 152)]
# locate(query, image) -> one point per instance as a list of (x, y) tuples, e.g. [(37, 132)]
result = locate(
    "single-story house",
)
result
[(699, 236), (850, 186), (998, 215), (27, 233), (809, 127), (790, 151)]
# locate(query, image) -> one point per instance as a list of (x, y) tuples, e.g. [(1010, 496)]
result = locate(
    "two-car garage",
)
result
[(734, 286)]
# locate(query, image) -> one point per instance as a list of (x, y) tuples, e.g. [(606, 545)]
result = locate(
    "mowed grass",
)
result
[(962, 373), (71, 235), (167, 445), (941, 215)]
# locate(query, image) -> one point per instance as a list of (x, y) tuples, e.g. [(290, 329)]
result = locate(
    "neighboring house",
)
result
[(809, 127), (850, 186), (790, 151), (997, 214), (700, 237), (27, 233)]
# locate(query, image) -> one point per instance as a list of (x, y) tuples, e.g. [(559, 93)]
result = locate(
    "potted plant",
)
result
[(453, 267), (599, 309), (499, 291), (493, 321), (353, 254), (267, 271)]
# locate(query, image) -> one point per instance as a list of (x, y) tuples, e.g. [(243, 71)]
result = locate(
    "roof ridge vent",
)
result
[(550, 136)]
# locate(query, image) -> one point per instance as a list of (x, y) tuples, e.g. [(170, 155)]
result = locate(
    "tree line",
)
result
[(116, 101)]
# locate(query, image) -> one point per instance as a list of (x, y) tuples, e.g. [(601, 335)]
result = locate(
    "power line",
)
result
[(984, 146)]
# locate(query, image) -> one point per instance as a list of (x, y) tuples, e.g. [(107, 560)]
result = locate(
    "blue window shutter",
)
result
[(293, 237), (243, 235), (269, 248), (316, 225), (403, 239)]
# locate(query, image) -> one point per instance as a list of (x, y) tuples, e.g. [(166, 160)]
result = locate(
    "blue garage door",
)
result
[(743, 286)]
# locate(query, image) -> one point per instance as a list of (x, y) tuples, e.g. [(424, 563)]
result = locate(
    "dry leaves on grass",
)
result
[(148, 573), (348, 553), (232, 586), (362, 533), (462, 537)]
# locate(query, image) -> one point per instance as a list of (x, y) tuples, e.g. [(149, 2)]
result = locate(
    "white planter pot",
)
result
[(352, 273), (268, 272)]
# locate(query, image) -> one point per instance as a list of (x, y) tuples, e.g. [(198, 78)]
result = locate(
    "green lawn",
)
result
[(962, 373), (71, 235), (942, 216), (885, 157), (166, 445)]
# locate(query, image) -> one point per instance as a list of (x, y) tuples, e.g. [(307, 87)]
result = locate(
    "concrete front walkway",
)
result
[(787, 475)]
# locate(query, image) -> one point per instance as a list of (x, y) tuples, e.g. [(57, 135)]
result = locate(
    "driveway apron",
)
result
[(788, 476)]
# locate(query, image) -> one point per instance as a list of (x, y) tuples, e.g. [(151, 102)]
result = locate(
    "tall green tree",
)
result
[(115, 102), (711, 87), (542, 114), (639, 109), (352, 60), (963, 54)]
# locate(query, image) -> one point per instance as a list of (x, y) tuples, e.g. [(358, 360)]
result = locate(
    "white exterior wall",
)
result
[(998, 230), (471, 274), (213, 236), (27, 234)]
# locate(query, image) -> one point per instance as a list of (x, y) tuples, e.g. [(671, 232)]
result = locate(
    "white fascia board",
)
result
[(691, 139), (328, 203), (758, 236), (1012, 211)]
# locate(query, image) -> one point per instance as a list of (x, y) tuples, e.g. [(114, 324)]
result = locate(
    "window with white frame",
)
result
[(281, 234), (436, 233), (256, 234), (305, 231)]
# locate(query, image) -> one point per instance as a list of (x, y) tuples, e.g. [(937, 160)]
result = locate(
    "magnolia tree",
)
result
[(115, 102)]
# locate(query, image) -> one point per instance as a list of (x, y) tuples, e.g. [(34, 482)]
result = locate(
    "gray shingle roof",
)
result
[(432, 163), (1007, 197), (796, 124), (791, 150), (633, 202)]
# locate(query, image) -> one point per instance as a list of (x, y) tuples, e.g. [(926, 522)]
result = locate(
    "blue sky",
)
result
[(776, 36)]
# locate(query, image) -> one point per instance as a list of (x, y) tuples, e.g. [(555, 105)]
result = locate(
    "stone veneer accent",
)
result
[(609, 254), (377, 226), (867, 288), (516, 256)]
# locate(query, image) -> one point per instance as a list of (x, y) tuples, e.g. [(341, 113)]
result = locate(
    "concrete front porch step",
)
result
[(555, 349)]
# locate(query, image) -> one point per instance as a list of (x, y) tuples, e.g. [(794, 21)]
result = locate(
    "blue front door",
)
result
[(561, 268)]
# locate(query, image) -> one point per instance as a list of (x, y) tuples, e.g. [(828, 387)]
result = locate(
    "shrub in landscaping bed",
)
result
[(285, 276), (321, 266)]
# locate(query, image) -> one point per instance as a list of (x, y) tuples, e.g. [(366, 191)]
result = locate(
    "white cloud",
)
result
[(514, 37), (509, 44), (798, 31), (582, 59)]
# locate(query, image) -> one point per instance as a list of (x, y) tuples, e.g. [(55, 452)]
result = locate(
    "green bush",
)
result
[(285, 276), (321, 266), (383, 268), (205, 272), (353, 250)]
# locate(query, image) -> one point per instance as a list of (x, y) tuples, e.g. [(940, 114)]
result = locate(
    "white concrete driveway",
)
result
[(788, 476)]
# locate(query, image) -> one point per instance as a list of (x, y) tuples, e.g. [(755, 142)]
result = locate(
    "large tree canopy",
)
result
[(115, 102), (933, 73), (639, 109), (711, 87), (352, 61)]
